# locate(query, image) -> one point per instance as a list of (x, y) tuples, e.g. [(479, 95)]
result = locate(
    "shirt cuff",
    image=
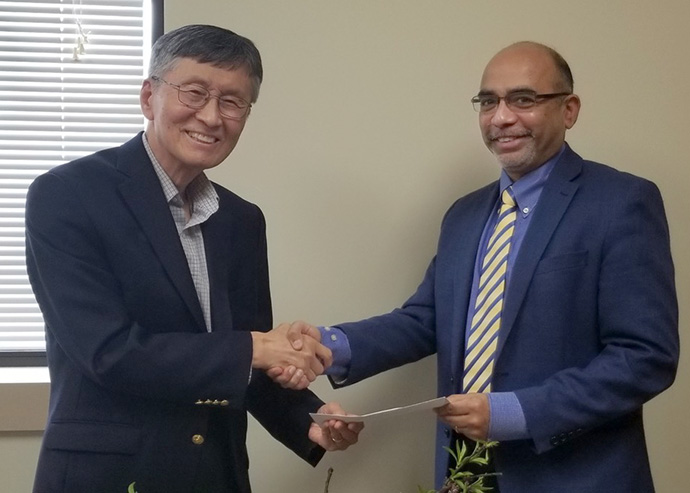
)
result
[(507, 418), (336, 340)]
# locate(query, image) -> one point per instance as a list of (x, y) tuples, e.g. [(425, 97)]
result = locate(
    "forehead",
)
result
[(186, 71), (522, 67)]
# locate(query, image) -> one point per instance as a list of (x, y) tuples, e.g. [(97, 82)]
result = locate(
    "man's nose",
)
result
[(210, 112), (503, 115)]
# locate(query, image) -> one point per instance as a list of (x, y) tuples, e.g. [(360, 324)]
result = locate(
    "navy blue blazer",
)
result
[(589, 330), (140, 391)]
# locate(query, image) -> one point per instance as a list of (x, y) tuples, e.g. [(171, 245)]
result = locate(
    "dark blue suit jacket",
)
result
[(589, 331), (140, 392)]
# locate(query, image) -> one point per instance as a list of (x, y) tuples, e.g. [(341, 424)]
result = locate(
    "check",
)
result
[(386, 413)]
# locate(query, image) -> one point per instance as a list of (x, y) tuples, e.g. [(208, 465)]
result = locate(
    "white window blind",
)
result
[(70, 74)]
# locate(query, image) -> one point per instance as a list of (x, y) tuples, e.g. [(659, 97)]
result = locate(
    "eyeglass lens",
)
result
[(197, 96)]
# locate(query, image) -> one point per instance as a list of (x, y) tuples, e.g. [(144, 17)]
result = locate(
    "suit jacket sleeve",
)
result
[(431, 320), (405, 335)]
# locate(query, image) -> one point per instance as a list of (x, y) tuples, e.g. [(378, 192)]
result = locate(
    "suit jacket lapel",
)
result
[(144, 196), (217, 236), (558, 191)]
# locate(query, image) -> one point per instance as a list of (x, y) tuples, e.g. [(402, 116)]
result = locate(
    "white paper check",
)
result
[(386, 413)]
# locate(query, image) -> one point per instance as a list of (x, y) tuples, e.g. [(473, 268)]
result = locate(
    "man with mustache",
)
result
[(551, 300)]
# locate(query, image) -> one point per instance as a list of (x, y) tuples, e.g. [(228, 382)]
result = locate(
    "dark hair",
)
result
[(563, 69), (207, 44)]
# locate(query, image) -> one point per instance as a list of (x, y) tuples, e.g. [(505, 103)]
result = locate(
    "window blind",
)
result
[(70, 74)]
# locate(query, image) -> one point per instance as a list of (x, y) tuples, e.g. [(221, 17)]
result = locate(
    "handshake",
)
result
[(291, 354)]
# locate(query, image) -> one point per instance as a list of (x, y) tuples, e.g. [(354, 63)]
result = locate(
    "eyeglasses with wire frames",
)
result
[(196, 96), (516, 101)]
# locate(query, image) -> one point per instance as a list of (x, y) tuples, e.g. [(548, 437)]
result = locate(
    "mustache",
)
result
[(509, 135)]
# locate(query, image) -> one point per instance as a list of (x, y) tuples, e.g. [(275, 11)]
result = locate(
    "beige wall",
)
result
[(364, 135)]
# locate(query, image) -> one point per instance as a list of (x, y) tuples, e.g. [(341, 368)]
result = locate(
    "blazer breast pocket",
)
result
[(564, 261)]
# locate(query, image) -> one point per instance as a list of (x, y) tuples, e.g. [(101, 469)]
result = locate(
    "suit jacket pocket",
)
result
[(83, 436), (560, 262)]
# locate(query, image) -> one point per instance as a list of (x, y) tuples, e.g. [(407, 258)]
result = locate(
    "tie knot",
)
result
[(508, 198)]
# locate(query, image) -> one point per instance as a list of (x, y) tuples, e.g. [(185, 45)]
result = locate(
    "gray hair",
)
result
[(207, 44)]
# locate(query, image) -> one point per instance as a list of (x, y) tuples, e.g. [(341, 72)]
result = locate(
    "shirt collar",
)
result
[(200, 192), (527, 188)]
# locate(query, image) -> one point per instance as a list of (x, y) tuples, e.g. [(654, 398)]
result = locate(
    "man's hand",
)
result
[(291, 377), (334, 434), (467, 414), (297, 332), (274, 349)]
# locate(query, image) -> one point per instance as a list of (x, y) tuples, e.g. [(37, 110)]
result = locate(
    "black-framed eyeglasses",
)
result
[(196, 96), (516, 101)]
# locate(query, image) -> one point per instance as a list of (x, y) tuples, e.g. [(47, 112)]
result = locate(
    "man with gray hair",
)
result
[(153, 283)]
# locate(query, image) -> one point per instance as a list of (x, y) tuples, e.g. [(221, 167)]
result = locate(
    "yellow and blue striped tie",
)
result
[(486, 320)]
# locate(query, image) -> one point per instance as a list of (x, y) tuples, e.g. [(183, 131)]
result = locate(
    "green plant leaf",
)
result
[(459, 479), (463, 451), (479, 460), (450, 452)]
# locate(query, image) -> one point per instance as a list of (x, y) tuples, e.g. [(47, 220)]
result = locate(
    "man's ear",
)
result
[(571, 110), (146, 99)]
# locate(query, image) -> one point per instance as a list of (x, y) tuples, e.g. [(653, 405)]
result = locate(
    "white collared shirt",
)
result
[(203, 202)]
